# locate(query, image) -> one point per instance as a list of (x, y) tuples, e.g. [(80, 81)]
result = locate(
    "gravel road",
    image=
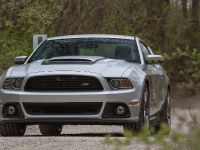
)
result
[(92, 137)]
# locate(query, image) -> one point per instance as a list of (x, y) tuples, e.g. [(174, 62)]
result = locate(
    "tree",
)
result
[(184, 8), (195, 24)]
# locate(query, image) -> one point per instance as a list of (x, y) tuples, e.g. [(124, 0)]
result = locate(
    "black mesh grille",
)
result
[(71, 108), (63, 83)]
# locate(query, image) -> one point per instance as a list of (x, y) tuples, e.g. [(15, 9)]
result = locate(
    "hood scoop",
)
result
[(73, 60)]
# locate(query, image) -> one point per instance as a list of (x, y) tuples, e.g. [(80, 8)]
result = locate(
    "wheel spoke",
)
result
[(146, 109), (168, 111)]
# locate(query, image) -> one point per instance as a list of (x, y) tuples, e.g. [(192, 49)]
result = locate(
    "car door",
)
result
[(160, 86), (164, 84), (153, 73)]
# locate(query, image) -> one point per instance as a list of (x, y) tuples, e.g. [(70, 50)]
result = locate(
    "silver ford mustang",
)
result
[(85, 79)]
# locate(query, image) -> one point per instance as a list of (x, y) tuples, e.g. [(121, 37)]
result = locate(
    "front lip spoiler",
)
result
[(72, 121)]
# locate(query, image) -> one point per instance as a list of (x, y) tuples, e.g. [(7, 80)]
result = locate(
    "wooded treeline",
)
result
[(170, 27)]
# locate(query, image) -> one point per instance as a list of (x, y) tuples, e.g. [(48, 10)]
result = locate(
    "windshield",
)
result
[(105, 47)]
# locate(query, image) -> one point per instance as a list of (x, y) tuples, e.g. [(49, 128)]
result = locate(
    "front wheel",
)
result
[(12, 129), (144, 114), (50, 129)]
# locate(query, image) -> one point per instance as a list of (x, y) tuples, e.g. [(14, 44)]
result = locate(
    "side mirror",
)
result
[(154, 58), (20, 60)]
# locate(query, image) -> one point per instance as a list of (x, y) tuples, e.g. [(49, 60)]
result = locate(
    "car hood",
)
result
[(98, 65)]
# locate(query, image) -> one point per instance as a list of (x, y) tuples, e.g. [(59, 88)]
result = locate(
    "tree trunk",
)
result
[(157, 10), (184, 8), (195, 10), (195, 24)]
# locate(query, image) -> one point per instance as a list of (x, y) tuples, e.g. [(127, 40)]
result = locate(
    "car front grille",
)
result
[(69, 108), (63, 83)]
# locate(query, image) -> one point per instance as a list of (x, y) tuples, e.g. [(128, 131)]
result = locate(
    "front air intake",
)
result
[(63, 83)]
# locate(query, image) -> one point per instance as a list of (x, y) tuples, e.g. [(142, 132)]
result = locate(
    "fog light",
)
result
[(120, 110), (11, 110)]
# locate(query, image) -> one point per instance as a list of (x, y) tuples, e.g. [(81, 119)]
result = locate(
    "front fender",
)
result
[(136, 75)]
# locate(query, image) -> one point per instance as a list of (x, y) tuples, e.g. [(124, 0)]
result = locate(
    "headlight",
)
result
[(120, 84), (13, 83)]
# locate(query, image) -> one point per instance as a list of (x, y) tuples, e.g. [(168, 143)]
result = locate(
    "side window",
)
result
[(145, 50)]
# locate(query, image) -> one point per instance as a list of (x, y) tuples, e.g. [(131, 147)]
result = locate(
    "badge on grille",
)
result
[(58, 79), (85, 84)]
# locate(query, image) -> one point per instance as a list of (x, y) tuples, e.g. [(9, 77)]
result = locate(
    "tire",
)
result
[(165, 116), (12, 129), (144, 114), (50, 129)]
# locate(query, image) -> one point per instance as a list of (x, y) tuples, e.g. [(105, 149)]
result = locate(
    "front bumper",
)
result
[(120, 96)]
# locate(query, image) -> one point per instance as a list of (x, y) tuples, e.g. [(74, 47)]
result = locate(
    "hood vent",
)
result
[(73, 60)]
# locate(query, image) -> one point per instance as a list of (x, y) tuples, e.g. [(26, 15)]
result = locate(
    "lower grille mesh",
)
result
[(72, 108)]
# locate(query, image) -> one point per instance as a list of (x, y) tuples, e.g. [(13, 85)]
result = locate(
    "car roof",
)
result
[(94, 36)]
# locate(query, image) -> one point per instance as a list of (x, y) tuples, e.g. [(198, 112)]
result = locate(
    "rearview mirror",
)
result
[(20, 60), (154, 58)]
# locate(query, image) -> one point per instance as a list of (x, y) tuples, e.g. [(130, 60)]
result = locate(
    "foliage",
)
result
[(187, 69), (11, 48), (174, 141), (19, 21)]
